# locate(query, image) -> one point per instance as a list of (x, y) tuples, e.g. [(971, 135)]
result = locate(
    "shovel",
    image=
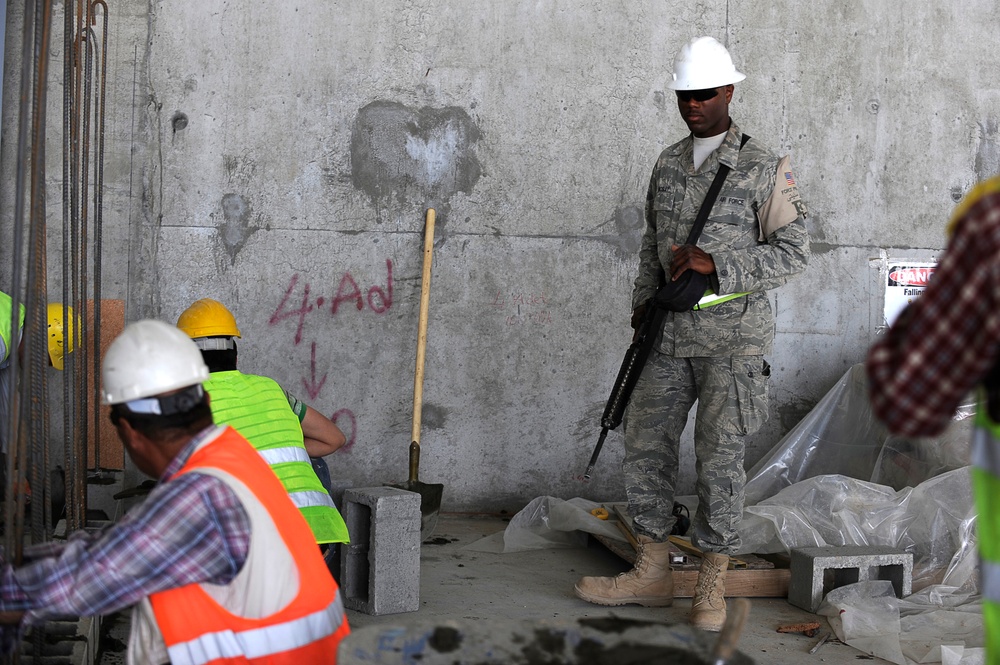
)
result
[(430, 493)]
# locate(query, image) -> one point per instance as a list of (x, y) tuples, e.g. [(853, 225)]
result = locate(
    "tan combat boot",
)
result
[(649, 583), (708, 607)]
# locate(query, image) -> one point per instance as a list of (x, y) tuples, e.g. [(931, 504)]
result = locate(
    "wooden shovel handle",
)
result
[(425, 299)]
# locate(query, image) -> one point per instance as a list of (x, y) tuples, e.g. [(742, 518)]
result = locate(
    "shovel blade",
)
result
[(430, 504)]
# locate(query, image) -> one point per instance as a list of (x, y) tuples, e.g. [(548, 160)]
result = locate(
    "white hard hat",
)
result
[(701, 64), (150, 358)]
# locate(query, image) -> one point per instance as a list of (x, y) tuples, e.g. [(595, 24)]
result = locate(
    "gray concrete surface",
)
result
[(484, 590), (280, 158), (471, 587)]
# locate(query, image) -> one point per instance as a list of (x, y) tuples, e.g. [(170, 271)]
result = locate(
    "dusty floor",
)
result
[(488, 590), (473, 586)]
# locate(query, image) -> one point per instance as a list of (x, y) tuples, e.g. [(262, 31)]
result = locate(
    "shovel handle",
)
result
[(725, 647), (418, 377)]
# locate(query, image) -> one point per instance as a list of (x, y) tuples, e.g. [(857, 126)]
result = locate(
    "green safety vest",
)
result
[(986, 487), (9, 341), (258, 408)]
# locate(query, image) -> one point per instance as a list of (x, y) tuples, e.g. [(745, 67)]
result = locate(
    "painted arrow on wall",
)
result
[(313, 388)]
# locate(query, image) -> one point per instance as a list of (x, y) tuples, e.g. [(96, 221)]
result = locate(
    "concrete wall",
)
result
[(280, 157)]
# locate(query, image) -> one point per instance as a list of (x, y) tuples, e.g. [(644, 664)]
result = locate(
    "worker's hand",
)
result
[(637, 316), (690, 257)]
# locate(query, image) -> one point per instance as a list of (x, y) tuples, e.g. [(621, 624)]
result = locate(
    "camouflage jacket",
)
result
[(747, 258)]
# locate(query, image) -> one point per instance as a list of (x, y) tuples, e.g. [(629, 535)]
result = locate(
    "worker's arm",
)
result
[(189, 530), (320, 434)]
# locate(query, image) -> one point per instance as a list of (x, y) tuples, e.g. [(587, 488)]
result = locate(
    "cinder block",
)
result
[(815, 571), (380, 568)]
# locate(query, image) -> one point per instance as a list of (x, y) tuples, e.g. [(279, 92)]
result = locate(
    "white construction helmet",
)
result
[(703, 63), (150, 358)]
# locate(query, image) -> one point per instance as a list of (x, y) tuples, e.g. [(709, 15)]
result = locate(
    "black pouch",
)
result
[(682, 294)]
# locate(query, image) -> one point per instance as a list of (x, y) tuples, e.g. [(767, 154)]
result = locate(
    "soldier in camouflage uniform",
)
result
[(755, 239)]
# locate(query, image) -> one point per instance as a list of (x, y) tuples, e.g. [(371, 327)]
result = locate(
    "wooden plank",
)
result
[(740, 582), (757, 578)]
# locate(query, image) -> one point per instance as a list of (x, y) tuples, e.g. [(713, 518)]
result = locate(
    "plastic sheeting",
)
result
[(839, 478), (869, 617), (548, 522), (934, 521), (841, 436)]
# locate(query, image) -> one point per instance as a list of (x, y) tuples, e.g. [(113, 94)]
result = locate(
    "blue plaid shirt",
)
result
[(189, 530)]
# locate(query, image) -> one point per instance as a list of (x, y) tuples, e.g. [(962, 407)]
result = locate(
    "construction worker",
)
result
[(217, 561), (286, 431), (58, 345), (754, 239), (941, 347)]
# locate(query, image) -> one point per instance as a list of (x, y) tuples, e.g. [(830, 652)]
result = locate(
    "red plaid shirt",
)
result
[(945, 343)]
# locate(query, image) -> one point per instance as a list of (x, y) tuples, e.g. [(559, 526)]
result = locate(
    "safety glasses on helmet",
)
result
[(697, 95)]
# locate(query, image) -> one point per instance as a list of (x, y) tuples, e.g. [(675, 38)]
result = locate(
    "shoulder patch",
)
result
[(784, 205)]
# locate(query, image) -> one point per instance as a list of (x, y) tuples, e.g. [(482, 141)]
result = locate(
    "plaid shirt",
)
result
[(192, 529), (945, 343)]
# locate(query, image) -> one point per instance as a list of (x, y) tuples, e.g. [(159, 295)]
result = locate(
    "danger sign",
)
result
[(905, 282)]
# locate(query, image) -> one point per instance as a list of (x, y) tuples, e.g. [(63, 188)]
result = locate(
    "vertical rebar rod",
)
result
[(99, 121), (69, 364), (15, 466)]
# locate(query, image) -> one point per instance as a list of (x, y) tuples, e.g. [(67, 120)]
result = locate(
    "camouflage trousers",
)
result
[(732, 403)]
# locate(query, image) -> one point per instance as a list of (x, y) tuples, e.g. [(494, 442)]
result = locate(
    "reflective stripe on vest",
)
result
[(986, 487), (310, 500), (260, 642), (710, 298), (284, 455), (244, 621), (989, 578), (258, 408), (985, 448)]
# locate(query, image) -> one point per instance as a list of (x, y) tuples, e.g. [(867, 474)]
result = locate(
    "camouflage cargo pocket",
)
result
[(752, 377)]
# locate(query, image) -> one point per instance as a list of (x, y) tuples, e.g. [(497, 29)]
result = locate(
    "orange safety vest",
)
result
[(197, 629)]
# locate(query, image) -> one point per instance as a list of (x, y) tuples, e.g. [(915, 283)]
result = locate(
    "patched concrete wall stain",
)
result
[(234, 230), (414, 154), (988, 154), (433, 416), (629, 225)]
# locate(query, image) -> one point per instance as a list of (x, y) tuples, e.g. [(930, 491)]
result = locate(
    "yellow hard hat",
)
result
[(59, 342), (208, 318)]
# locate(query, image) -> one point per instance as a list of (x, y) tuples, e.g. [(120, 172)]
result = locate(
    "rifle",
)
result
[(628, 374)]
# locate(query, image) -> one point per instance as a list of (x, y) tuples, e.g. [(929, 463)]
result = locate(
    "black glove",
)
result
[(637, 316)]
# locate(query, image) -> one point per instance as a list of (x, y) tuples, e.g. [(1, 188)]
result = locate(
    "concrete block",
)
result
[(380, 568), (815, 571)]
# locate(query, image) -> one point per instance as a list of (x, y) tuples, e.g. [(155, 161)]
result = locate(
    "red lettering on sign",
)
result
[(911, 276)]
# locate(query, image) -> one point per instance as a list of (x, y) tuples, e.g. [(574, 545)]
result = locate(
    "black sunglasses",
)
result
[(697, 95)]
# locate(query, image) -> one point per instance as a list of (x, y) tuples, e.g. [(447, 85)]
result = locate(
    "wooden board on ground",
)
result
[(760, 578)]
